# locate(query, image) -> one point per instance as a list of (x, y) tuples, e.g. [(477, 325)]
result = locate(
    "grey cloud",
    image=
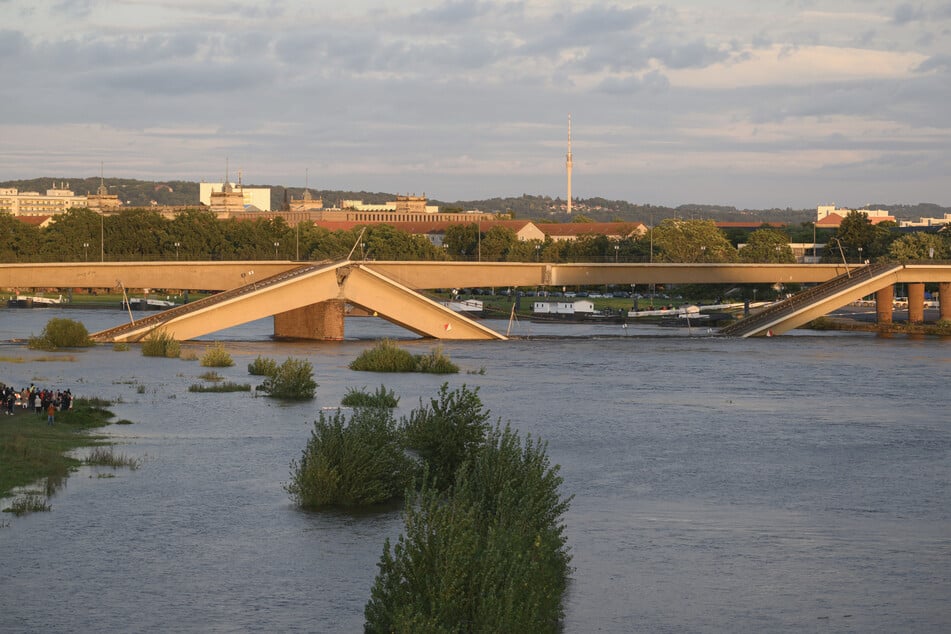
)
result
[(455, 12), (12, 44), (905, 13), (696, 54), (936, 62), (652, 82)]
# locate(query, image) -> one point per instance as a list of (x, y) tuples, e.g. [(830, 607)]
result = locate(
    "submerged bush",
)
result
[(160, 343), (489, 557), (436, 362), (359, 462), (262, 366), (361, 398), (216, 357), (386, 356), (61, 333), (293, 379), (227, 386), (447, 431)]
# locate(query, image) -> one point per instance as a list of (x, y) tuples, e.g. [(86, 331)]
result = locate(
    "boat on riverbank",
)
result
[(34, 301), (577, 312), (467, 307)]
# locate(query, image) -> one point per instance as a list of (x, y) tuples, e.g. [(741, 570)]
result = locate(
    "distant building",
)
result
[(257, 197), (927, 222), (830, 216), (561, 232), (306, 202), (55, 201), (102, 201)]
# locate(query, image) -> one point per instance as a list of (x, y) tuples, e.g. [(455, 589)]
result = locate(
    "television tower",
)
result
[(568, 164)]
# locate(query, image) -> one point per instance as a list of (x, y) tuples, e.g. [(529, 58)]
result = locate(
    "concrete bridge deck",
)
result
[(307, 299)]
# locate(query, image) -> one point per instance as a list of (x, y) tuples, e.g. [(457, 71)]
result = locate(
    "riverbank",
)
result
[(32, 451)]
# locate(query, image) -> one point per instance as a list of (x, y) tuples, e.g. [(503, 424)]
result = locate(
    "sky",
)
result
[(751, 103)]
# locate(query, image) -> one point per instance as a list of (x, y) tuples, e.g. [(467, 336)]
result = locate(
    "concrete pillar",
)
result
[(944, 300), (884, 303), (322, 321), (916, 302)]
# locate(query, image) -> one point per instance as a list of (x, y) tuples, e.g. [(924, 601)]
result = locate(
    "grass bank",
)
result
[(32, 451)]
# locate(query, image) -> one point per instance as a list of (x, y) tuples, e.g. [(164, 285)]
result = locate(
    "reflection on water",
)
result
[(784, 484)]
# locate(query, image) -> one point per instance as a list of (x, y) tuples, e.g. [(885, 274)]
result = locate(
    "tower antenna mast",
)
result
[(568, 164)]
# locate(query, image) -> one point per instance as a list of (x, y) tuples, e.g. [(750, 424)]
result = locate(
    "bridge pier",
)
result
[(884, 305), (944, 300), (321, 321), (916, 302)]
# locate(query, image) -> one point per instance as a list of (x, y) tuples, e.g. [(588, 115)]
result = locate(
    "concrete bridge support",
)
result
[(916, 302), (323, 321), (944, 300), (884, 306)]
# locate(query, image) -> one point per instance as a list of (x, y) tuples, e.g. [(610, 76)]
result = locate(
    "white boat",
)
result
[(34, 301), (471, 307)]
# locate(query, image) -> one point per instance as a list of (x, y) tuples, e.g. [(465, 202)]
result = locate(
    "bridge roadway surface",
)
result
[(307, 299)]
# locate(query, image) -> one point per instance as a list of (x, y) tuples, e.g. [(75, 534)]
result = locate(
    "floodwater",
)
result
[(795, 483)]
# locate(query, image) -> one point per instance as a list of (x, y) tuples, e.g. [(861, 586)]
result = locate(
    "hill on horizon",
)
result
[(140, 193)]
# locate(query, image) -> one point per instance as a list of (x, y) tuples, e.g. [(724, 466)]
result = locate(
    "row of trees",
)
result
[(142, 234)]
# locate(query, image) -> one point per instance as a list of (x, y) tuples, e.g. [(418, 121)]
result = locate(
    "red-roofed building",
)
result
[(435, 231), (573, 230), (41, 222)]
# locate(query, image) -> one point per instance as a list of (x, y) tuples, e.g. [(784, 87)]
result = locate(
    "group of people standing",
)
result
[(36, 399)]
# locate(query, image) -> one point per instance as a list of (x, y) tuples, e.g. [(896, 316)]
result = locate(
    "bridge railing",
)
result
[(808, 297), (166, 315)]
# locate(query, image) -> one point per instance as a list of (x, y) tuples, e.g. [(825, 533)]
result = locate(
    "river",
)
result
[(785, 484)]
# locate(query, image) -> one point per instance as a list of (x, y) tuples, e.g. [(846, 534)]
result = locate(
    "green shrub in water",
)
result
[(61, 333), (216, 357), (293, 379), (447, 431), (436, 362), (160, 343), (362, 398), (490, 556), (348, 463), (385, 356), (262, 366)]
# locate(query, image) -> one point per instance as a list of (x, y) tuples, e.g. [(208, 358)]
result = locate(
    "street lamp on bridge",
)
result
[(85, 251), (177, 244), (249, 275), (276, 245)]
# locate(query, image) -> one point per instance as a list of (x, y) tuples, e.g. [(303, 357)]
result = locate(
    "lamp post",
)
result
[(363, 252), (538, 248), (276, 245), (616, 249), (860, 256), (85, 251), (249, 275), (703, 253), (177, 244)]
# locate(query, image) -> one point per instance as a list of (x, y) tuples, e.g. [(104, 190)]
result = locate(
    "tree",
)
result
[(919, 246), (767, 246), (356, 462), (859, 239), (678, 240)]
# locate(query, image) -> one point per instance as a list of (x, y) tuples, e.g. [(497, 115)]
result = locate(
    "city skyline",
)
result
[(742, 104)]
